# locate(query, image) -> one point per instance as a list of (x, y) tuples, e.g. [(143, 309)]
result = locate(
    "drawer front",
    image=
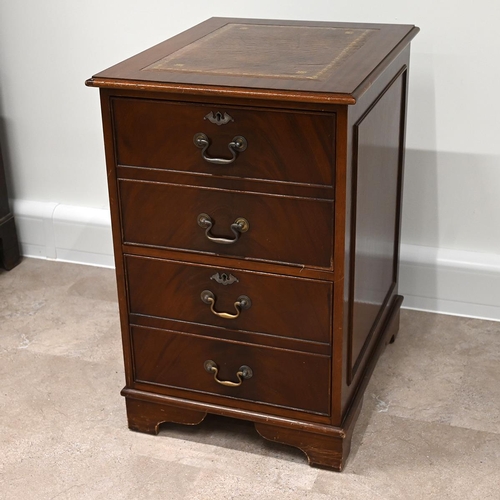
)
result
[(282, 378), (281, 306), (281, 229), (281, 146)]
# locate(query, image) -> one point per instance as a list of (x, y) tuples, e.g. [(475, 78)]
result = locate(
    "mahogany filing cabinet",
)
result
[(255, 174)]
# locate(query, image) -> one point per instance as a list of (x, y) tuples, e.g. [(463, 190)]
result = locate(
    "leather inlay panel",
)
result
[(319, 50)]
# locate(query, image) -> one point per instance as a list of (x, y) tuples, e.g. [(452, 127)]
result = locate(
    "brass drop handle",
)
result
[(240, 225), (237, 145), (242, 302), (244, 373)]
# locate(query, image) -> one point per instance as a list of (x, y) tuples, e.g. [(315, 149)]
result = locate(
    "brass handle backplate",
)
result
[(242, 302), (243, 373), (240, 225), (237, 145)]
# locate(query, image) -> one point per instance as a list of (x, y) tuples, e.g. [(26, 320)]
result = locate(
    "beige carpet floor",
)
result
[(429, 427)]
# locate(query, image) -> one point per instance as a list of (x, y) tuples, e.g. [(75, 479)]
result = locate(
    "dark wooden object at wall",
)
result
[(255, 175), (9, 245)]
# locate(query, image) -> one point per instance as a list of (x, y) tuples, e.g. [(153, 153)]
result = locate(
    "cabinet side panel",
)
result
[(377, 171)]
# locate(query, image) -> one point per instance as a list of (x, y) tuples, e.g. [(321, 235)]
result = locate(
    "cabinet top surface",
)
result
[(293, 56)]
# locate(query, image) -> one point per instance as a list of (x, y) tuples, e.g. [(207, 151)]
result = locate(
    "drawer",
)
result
[(281, 229), (281, 306), (281, 146), (278, 377)]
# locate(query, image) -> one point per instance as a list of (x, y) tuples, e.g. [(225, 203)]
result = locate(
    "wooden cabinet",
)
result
[(255, 175), (9, 245)]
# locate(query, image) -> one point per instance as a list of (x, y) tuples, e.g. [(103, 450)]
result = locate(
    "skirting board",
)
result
[(63, 232), (431, 279), (450, 281)]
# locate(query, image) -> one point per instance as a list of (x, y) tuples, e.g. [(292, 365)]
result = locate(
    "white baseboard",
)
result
[(65, 233), (450, 281), (431, 279)]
